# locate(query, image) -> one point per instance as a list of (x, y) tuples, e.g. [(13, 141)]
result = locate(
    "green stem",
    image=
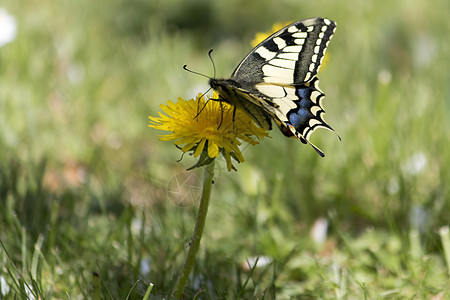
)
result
[(197, 235)]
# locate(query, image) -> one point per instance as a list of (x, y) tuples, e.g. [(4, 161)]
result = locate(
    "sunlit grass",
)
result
[(85, 205)]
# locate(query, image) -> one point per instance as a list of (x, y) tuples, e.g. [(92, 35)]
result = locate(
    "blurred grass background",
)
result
[(88, 195)]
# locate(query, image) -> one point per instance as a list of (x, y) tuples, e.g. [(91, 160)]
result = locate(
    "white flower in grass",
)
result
[(319, 230), (4, 287), (415, 164), (8, 27), (145, 266), (29, 291), (256, 262)]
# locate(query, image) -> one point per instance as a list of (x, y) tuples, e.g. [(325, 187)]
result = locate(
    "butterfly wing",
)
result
[(292, 55), (280, 75)]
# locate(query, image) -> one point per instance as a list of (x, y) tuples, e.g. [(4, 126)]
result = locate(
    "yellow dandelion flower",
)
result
[(216, 129)]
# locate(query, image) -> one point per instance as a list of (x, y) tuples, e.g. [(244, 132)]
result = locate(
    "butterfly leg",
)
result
[(234, 116), (221, 113), (201, 109)]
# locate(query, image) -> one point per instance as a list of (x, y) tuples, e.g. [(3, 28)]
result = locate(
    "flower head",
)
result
[(207, 128)]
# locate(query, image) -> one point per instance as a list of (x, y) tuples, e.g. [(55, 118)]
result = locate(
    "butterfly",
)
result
[(277, 80)]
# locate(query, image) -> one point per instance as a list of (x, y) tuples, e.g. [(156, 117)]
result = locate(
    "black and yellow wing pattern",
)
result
[(278, 80)]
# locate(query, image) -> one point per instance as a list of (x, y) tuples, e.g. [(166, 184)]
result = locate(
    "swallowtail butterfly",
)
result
[(277, 80)]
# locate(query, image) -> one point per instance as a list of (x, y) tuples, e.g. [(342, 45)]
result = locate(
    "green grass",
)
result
[(85, 205)]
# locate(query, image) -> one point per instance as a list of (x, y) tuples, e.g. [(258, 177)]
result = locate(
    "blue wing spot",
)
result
[(295, 120), (298, 117), (304, 93), (305, 103)]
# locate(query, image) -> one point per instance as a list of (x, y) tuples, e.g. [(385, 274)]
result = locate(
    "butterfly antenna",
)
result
[(203, 94), (193, 72), (212, 62), (220, 100), (203, 75)]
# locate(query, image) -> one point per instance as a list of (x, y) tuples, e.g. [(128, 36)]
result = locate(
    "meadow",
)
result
[(94, 206)]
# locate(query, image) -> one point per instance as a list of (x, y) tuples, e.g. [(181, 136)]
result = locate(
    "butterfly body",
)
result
[(243, 98), (277, 80)]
